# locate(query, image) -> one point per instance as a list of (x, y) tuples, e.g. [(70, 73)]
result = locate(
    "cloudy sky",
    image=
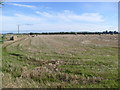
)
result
[(59, 16)]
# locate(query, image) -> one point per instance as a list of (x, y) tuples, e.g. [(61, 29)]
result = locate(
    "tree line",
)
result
[(52, 33)]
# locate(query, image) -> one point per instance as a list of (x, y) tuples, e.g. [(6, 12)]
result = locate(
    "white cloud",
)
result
[(20, 18), (65, 21), (25, 18), (22, 5), (91, 17), (11, 22), (72, 27), (67, 15), (45, 14)]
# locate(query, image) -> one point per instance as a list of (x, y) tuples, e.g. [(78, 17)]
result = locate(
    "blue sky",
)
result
[(60, 16)]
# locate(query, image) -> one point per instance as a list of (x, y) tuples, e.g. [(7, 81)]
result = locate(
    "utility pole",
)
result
[(18, 28), (21, 25)]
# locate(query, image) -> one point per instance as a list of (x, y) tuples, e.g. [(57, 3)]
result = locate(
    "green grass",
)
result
[(94, 68)]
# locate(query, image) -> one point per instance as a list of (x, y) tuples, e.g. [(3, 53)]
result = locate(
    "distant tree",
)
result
[(106, 32), (31, 33), (115, 32), (110, 32)]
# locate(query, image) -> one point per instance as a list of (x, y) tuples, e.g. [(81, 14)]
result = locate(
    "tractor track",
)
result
[(4, 47)]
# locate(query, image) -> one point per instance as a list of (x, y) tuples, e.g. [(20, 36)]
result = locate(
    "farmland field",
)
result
[(61, 61)]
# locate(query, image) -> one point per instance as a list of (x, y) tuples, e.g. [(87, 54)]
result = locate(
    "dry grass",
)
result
[(58, 61)]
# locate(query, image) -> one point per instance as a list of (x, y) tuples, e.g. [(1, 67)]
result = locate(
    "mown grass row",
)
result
[(96, 67)]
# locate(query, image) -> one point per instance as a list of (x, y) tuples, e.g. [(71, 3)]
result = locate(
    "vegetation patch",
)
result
[(60, 61)]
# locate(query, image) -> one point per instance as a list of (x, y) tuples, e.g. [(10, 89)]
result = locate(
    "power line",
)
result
[(21, 25)]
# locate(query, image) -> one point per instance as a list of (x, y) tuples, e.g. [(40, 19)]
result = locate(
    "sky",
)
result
[(59, 16)]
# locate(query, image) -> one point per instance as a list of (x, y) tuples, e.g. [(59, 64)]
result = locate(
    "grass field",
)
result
[(61, 61)]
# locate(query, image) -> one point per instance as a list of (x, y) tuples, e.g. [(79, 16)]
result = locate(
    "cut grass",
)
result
[(83, 66)]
